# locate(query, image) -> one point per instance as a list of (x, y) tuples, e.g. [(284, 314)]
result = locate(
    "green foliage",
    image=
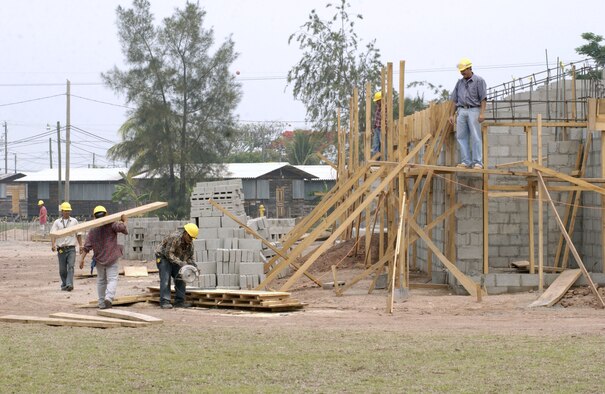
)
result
[(253, 143), (593, 48), (183, 97), (302, 148), (128, 191), (332, 64)]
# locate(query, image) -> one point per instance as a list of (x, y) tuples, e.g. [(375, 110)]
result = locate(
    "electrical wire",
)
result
[(31, 100)]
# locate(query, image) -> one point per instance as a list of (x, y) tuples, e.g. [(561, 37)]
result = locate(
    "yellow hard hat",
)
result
[(65, 206), (464, 63), (99, 209), (40, 202), (377, 96), (192, 230)]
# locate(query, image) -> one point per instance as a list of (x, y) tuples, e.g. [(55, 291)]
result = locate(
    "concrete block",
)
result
[(212, 244), (251, 268), (506, 280), (208, 267), (225, 232), (250, 244), (210, 222)]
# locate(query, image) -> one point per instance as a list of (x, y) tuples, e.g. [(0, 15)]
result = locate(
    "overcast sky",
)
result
[(47, 42)]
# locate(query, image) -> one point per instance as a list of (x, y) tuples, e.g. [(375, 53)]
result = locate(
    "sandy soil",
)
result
[(29, 285)]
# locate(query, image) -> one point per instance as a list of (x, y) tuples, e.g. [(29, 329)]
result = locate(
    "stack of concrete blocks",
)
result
[(144, 234), (226, 256), (274, 231)]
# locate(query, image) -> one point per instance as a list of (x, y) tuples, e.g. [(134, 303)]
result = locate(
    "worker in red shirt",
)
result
[(43, 217)]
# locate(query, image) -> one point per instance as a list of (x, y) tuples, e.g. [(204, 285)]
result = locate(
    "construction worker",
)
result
[(103, 241), (43, 217), (376, 138), (261, 210), (66, 247), (174, 252), (470, 98)]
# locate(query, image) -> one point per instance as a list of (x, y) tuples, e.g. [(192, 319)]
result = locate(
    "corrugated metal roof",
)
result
[(76, 175), (322, 172), (250, 170)]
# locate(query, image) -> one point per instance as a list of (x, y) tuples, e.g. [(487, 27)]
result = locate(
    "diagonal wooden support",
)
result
[(570, 179), (368, 271), (570, 243), (331, 219), (260, 237), (343, 226), (464, 280), (397, 256), (434, 223)]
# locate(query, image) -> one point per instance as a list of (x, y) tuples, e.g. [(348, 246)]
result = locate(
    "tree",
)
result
[(593, 48), (302, 148), (331, 65), (252, 143), (183, 98), (128, 190)]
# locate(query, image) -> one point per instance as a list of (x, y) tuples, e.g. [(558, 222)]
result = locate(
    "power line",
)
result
[(34, 99), (102, 102)]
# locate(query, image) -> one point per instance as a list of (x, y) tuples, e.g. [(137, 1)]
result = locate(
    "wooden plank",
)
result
[(464, 280), (540, 212), (557, 289), (114, 217), (570, 179), (56, 322), (368, 199), (485, 205), (75, 316), (135, 271), (571, 245), (127, 315), (533, 124)]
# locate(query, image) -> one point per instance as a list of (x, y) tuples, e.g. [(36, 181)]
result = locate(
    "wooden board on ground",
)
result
[(135, 271), (56, 322), (114, 217), (127, 315), (82, 275), (124, 300), (557, 289), (123, 323)]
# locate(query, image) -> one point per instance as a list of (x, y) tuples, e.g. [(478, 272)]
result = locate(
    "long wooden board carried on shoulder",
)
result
[(114, 217), (558, 288)]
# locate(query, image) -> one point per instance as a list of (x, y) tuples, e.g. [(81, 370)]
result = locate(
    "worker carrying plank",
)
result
[(103, 241), (66, 246), (174, 252)]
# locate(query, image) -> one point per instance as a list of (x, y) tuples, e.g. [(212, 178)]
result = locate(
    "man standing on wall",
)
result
[(376, 137), (103, 241), (66, 251), (470, 98)]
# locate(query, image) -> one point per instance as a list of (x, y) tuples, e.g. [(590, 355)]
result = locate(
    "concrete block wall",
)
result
[(144, 234), (226, 255), (590, 249)]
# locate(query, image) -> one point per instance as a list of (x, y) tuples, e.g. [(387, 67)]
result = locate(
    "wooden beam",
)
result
[(56, 322), (485, 203), (367, 200), (464, 280), (260, 237), (127, 315), (570, 179), (540, 213), (114, 217), (121, 322), (571, 245), (579, 125), (557, 289), (396, 257), (368, 271), (326, 160)]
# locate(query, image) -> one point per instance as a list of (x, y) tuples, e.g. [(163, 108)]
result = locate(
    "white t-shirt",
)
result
[(60, 224)]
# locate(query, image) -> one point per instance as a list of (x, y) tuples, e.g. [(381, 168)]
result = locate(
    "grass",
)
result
[(37, 358)]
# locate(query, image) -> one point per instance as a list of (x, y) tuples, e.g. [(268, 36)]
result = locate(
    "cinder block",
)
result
[(213, 244), (507, 280), (210, 222), (251, 268), (250, 244), (208, 267), (225, 232)]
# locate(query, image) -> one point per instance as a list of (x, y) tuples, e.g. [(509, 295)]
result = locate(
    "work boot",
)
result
[(182, 305), (69, 288), (166, 306), (105, 305)]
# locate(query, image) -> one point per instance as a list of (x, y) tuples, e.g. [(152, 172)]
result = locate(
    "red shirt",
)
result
[(103, 241), (43, 216)]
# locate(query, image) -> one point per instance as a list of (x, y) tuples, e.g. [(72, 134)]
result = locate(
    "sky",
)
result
[(45, 43)]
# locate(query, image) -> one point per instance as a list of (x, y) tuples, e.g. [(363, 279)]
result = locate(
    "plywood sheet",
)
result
[(127, 315), (135, 271)]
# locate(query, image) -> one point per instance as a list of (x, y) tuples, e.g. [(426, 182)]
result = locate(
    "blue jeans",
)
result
[(468, 127), (376, 143), (167, 272), (67, 260)]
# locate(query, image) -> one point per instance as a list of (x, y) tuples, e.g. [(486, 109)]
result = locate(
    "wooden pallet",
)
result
[(268, 301)]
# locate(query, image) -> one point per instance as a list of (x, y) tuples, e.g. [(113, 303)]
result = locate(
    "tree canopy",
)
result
[(182, 96), (593, 48), (332, 64)]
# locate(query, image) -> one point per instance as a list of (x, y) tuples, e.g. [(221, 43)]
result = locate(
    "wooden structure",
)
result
[(391, 194)]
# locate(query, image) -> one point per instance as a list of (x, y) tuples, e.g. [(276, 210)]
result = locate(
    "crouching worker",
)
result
[(103, 241), (174, 252)]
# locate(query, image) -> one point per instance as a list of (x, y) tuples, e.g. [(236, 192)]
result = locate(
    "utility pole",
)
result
[(67, 141), (60, 200), (5, 149), (93, 160), (15, 162), (50, 151)]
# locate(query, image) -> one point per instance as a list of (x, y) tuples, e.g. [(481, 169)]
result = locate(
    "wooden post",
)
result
[(367, 155), (540, 211), (484, 129), (402, 149)]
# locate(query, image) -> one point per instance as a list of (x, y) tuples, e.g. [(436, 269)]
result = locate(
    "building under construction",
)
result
[(537, 206)]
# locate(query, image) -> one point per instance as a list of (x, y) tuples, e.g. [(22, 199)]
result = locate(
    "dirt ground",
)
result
[(30, 285)]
